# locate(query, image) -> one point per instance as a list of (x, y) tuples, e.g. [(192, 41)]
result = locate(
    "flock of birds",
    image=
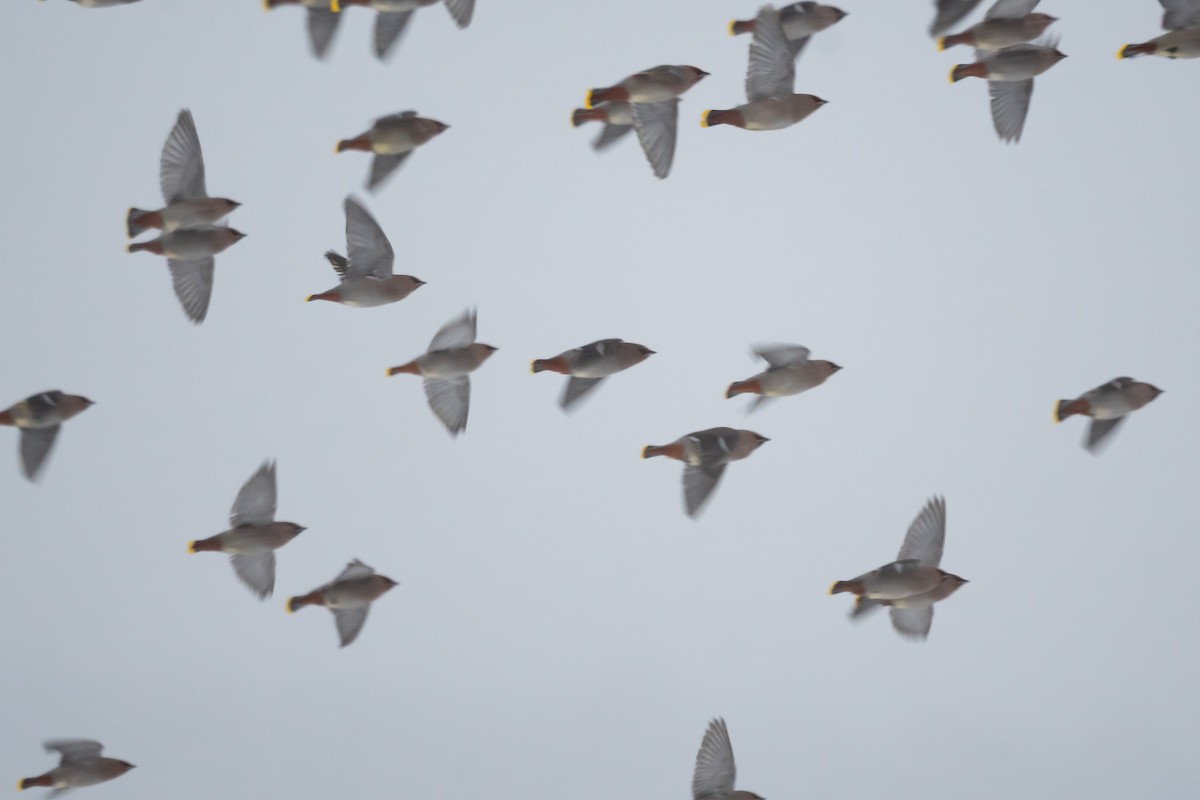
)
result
[(646, 102)]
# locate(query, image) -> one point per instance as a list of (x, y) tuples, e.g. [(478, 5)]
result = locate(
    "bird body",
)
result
[(1181, 20), (366, 276), (1107, 405), (392, 139), (705, 455), (348, 596), (39, 418), (590, 364), (1010, 72), (790, 372), (80, 765)]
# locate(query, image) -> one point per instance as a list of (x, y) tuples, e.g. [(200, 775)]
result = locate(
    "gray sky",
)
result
[(562, 629)]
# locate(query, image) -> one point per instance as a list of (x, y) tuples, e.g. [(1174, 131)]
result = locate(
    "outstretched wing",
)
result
[(181, 168), (1010, 105), (193, 282), (772, 68), (926, 535), (656, 124), (367, 246), (35, 446), (255, 502)]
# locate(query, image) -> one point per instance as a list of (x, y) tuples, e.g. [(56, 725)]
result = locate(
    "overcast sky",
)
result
[(561, 628)]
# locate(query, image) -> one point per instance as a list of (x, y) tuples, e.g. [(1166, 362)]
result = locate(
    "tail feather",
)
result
[(132, 222), (727, 117), (582, 115), (1132, 50), (854, 587), (40, 780), (741, 26), (1069, 408), (650, 451)]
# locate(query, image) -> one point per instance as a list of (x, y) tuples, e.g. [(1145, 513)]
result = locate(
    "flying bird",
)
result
[(912, 583), (769, 82), (80, 765), (366, 276), (591, 364), (392, 139), (1181, 19), (799, 20), (39, 418), (1107, 405), (653, 97), (716, 772), (394, 15), (189, 253), (1006, 23), (616, 119), (948, 13), (254, 535), (451, 357), (181, 178), (705, 455), (348, 596), (1010, 72), (789, 371), (322, 22)]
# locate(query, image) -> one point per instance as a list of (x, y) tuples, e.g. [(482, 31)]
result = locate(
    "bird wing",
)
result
[(577, 389), (1180, 13), (461, 10), (610, 135), (256, 570), (367, 246), (912, 622), (772, 68), (458, 332), (450, 399), (1010, 105), (73, 750), (340, 264), (926, 535), (1099, 432), (782, 355), (716, 771), (388, 27), (193, 281), (863, 606), (382, 166), (698, 485), (181, 168), (1010, 9), (255, 502), (349, 622), (322, 25), (655, 124), (354, 570), (947, 14), (35, 446)]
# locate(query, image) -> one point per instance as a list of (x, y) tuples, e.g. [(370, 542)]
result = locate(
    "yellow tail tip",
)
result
[(587, 103), (733, 27), (953, 70), (21, 785), (941, 43), (192, 547), (266, 5), (335, 7), (533, 367), (833, 586), (704, 118), (1121, 52), (288, 606), (309, 299)]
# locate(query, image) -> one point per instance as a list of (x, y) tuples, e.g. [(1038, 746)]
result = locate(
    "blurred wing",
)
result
[(610, 136), (181, 168), (1099, 433), (322, 25), (782, 355), (388, 27), (927, 535), (948, 13), (354, 570), (349, 622), (655, 124), (912, 622), (716, 771), (255, 502), (458, 332), (1180, 13), (797, 46), (383, 166), (760, 400), (577, 389), (1010, 104), (772, 69), (698, 485), (450, 399), (193, 282), (74, 749), (340, 264), (1010, 9), (862, 607), (461, 10), (369, 250), (35, 446), (257, 571)]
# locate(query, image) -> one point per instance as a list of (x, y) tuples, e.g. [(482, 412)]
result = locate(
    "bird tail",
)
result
[(854, 587), (6, 418), (203, 545), (294, 604), (743, 387), (411, 368), (729, 117), (1069, 408), (555, 364), (737, 26), (960, 71), (953, 40), (582, 115), (612, 94), (139, 220), (1131, 50), (40, 780), (152, 246), (652, 450)]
